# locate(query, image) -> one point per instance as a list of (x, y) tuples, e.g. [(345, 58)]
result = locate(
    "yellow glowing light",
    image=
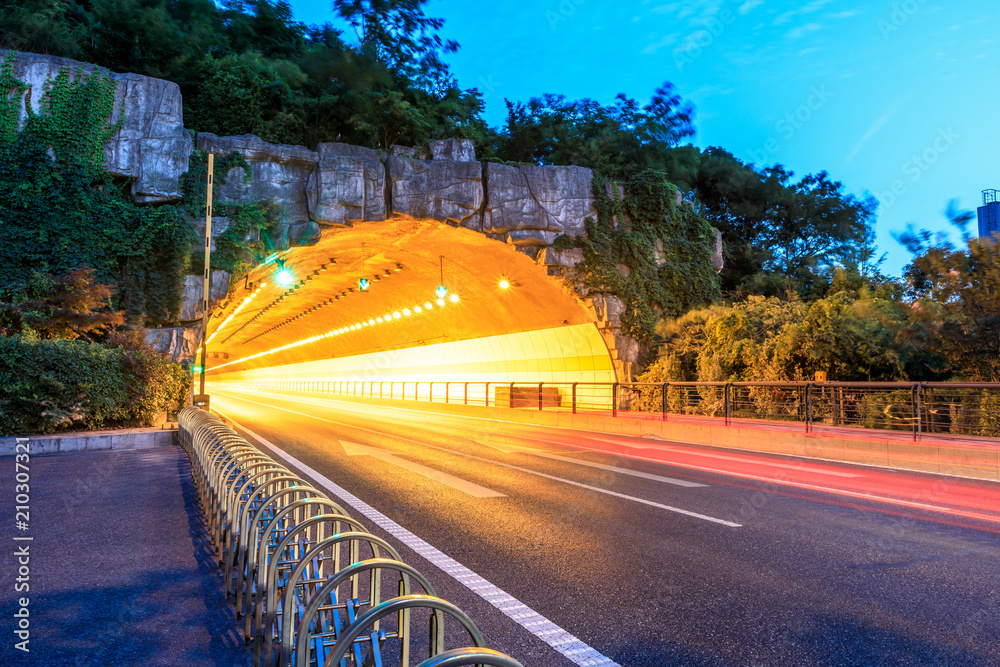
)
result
[(454, 298), (504, 284), (416, 309), (364, 324), (406, 311), (371, 321), (378, 319), (396, 315), (428, 305), (440, 302)]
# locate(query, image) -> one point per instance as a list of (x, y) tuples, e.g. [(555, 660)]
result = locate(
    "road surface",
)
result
[(656, 553)]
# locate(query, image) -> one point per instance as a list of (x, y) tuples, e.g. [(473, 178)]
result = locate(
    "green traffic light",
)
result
[(196, 369), (441, 291), (363, 284), (284, 278)]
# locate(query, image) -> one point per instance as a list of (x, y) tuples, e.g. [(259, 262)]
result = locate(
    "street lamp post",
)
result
[(201, 400)]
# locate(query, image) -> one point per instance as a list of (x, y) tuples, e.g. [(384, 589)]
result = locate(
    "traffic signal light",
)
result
[(196, 370), (363, 284), (441, 291)]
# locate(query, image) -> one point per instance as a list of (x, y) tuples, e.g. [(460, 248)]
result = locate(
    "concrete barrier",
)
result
[(92, 441)]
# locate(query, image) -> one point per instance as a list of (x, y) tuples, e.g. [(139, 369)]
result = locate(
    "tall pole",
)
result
[(208, 270)]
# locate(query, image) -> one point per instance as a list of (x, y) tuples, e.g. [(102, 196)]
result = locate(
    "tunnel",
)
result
[(443, 304)]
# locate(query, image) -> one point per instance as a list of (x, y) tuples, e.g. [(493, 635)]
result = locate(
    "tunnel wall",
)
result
[(575, 353)]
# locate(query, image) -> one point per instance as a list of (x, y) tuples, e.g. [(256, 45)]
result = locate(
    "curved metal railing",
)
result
[(305, 576)]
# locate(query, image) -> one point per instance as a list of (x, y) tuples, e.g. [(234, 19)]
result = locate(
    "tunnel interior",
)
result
[(500, 317)]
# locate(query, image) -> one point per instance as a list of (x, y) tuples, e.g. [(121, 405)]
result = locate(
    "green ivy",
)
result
[(621, 248), (247, 240), (62, 210)]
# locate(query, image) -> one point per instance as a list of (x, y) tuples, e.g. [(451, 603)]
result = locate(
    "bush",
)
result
[(59, 385)]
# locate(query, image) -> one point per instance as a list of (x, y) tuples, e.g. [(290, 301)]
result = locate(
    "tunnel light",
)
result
[(454, 298), (417, 309), (397, 315), (406, 311), (504, 284), (440, 302), (378, 319), (428, 305), (371, 322), (441, 291)]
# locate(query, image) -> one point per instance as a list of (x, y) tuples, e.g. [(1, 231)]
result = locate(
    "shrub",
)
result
[(59, 385)]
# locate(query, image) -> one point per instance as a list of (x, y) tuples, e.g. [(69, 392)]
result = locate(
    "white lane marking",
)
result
[(465, 486), (669, 508), (590, 464), (771, 464), (570, 646)]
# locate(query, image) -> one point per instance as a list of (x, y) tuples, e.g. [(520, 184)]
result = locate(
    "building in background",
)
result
[(989, 214)]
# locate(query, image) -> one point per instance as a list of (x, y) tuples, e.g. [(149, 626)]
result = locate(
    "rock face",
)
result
[(438, 189), (279, 173), (457, 150), (533, 205), (177, 343), (152, 145), (194, 290), (347, 185)]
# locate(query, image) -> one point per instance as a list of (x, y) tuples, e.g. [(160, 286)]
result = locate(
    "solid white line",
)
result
[(623, 471), (571, 647), (669, 508)]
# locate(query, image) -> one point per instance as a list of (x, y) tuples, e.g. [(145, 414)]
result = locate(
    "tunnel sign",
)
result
[(363, 284)]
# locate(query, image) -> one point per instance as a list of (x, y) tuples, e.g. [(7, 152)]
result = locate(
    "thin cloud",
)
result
[(873, 129), (814, 6), (803, 30)]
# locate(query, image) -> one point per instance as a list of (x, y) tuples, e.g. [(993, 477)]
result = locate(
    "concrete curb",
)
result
[(92, 441)]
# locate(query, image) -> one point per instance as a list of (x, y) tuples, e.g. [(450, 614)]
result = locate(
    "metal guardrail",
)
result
[(307, 578), (923, 408)]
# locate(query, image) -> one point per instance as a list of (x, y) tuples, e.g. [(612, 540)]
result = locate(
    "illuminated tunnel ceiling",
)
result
[(474, 265)]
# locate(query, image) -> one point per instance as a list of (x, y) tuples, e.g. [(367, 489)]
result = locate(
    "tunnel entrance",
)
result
[(499, 318)]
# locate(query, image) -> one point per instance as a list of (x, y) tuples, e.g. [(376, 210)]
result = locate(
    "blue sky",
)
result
[(898, 99)]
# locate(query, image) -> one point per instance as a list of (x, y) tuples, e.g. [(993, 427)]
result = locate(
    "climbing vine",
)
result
[(247, 238), (62, 210), (649, 251)]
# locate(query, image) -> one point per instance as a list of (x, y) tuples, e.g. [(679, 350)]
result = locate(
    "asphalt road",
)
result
[(658, 553)]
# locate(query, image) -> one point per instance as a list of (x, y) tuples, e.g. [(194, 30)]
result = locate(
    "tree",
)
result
[(398, 34), (69, 306)]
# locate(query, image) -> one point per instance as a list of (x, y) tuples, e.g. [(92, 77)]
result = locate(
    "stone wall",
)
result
[(524, 206)]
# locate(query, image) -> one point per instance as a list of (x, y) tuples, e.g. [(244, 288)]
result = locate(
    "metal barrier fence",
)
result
[(923, 408), (307, 579)]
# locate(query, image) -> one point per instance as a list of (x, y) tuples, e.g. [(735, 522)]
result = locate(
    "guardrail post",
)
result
[(663, 399), (809, 406), (915, 403), (614, 400), (727, 400), (466, 393), (447, 392), (430, 392), (574, 397), (540, 395), (510, 396), (487, 394)]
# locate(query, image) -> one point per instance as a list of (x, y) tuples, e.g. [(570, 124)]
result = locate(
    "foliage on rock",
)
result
[(652, 253), (247, 239), (63, 211)]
